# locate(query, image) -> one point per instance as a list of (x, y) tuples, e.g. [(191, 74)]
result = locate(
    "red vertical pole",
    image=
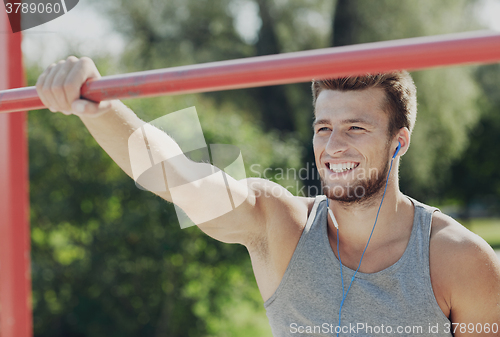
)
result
[(15, 278)]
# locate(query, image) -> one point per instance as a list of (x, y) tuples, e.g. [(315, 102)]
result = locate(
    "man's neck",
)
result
[(356, 221)]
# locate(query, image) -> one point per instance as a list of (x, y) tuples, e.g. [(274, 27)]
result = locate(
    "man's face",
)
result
[(351, 143)]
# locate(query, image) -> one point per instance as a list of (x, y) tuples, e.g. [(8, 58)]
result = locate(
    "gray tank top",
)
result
[(397, 301)]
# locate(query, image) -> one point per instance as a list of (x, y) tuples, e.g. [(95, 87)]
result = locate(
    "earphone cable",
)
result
[(344, 295)]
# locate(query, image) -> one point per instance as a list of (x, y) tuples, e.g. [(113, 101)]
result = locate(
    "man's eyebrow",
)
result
[(320, 121), (356, 120), (345, 121)]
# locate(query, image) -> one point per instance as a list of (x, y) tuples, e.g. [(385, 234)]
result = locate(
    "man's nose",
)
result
[(336, 144)]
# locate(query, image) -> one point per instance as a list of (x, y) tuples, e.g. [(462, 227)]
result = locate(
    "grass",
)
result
[(487, 228)]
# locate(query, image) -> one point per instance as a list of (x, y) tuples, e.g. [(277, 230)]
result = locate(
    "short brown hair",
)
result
[(400, 92)]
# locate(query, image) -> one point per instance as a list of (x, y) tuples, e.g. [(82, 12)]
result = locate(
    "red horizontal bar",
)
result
[(409, 54)]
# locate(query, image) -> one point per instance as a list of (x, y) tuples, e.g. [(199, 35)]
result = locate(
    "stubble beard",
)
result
[(361, 191)]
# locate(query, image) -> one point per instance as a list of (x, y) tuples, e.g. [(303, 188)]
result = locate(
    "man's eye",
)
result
[(324, 128), (356, 128)]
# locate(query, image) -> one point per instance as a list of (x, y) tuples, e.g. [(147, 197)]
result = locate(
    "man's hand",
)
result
[(59, 88)]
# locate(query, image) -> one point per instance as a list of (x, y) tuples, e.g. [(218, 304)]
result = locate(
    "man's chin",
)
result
[(363, 192), (344, 194)]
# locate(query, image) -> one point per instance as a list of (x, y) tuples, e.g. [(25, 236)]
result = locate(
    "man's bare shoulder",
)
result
[(281, 207), (464, 270), (456, 242), (252, 221), (457, 246), (269, 192)]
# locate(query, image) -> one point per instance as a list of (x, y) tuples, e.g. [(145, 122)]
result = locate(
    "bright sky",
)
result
[(84, 28), (92, 34)]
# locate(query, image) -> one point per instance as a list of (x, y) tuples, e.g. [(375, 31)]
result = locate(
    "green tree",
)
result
[(475, 179)]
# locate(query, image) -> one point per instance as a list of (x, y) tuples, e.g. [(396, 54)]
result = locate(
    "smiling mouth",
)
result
[(341, 168)]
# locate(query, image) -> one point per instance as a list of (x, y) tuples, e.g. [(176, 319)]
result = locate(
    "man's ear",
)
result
[(402, 137)]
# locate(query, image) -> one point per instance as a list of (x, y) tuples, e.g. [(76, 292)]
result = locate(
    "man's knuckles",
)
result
[(72, 59), (60, 84)]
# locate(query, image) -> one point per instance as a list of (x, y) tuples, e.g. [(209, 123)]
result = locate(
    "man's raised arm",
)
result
[(199, 192)]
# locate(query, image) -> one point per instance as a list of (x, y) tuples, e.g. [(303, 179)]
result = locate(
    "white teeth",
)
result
[(338, 168)]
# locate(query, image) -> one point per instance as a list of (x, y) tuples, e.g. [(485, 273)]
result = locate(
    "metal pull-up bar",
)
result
[(409, 54)]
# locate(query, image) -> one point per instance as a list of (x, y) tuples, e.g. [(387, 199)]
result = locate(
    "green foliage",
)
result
[(170, 33), (447, 112), (363, 21), (475, 179)]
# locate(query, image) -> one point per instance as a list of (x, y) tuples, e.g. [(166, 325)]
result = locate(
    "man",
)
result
[(419, 273)]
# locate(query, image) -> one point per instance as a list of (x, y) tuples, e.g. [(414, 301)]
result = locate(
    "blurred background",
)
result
[(110, 260)]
